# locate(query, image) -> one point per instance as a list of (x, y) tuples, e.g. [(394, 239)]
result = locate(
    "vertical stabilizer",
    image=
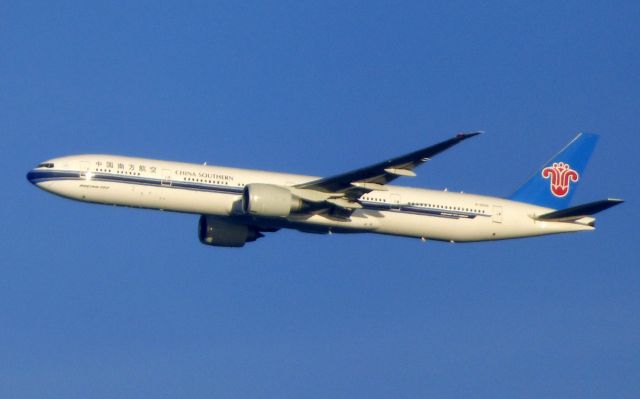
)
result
[(554, 184)]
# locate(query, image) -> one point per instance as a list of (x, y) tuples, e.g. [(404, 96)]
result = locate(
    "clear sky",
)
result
[(106, 302)]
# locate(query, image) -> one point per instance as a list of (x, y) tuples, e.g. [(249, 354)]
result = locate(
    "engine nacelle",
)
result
[(221, 233), (269, 201)]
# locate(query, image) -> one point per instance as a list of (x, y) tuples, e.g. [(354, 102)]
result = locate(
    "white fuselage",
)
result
[(217, 191)]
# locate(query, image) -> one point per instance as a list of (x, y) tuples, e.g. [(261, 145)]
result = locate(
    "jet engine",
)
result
[(220, 233), (269, 201)]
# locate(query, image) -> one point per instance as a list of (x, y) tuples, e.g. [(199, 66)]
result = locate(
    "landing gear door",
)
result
[(497, 214)]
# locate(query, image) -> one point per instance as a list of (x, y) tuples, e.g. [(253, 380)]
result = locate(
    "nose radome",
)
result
[(31, 176)]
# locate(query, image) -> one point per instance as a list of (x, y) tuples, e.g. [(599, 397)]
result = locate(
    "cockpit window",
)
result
[(46, 165)]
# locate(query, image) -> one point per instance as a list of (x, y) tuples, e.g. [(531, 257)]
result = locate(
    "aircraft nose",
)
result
[(32, 176)]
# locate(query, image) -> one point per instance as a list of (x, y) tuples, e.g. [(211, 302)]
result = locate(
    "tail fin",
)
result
[(554, 184)]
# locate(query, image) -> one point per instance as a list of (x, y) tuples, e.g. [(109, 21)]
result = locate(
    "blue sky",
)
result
[(105, 302)]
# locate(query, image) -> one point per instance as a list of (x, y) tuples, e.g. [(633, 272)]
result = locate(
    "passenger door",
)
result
[(166, 177), (497, 214), (83, 169), (394, 201)]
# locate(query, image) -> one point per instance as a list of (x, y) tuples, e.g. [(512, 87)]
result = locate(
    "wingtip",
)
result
[(466, 135)]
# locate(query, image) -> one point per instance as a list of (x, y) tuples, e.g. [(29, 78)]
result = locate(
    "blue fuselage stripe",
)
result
[(40, 176)]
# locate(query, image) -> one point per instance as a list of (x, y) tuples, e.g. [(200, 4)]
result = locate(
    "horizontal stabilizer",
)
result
[(577, 212)]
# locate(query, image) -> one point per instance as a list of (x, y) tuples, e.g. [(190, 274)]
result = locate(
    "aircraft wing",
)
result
[(357, 182)]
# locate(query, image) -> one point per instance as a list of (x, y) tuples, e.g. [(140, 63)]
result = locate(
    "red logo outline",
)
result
[(561, 175)]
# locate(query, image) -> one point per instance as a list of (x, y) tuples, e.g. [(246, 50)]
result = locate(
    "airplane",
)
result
[(237, 206)]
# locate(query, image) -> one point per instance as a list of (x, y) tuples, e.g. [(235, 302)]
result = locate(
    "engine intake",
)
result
[(221, 233), (269, 201)]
